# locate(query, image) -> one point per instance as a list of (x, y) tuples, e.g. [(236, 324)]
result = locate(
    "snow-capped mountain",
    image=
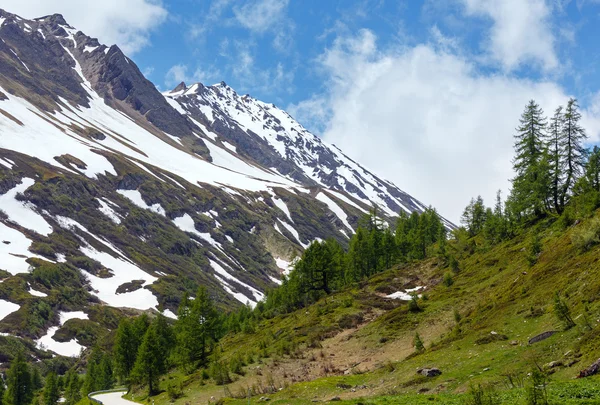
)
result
[(115, 197)]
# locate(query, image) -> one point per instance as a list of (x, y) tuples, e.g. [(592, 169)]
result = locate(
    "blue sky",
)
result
[(425, 93)]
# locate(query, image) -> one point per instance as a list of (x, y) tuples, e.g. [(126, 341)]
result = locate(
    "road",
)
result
[(113, 398)]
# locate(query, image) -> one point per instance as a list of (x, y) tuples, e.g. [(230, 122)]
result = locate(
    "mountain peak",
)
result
[(180, 87), (55, 19)]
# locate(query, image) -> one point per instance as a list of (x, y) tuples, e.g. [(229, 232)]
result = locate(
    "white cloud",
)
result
[(260, 15), (427, 119), (127, 24), (521, 31)]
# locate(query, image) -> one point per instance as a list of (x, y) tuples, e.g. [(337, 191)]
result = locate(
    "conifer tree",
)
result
[(150, 361), (125, 349), (105, 373), (73, 386), (554, 153), (165, 334), (528, 196), (18, 379), (196, 330), (2, 390), (474, 216), (592, 170), (573, 153), (51, 391)]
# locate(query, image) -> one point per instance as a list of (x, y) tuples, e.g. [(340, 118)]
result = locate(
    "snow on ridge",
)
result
[(218, 268), (336, 209), (108, 211)]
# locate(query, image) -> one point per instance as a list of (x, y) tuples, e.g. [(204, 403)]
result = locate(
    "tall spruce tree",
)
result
[(18, 379), (528, 196), (474, 216), (572, 151)]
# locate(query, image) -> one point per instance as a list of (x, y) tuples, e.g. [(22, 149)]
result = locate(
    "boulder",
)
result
[(541, 336), (591, 370), (430, 372)]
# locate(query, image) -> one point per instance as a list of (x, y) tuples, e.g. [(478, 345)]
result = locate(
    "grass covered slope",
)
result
[(358, 345)]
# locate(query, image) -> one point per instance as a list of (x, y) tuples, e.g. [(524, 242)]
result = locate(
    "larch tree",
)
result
[(150, 361), (51, 390), (555, 130), (18, 379), (528, 196), (572, 152)]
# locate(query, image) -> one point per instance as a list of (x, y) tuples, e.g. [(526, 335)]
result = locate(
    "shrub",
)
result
[(537, 392), (418, 343), (413, 304), (479, 395), (219, 372), (448, 280), (562, 312), (174, 391), (534, 250), (585, 237)]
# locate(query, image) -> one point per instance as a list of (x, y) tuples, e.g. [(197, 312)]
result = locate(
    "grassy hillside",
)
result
[(357, 345)]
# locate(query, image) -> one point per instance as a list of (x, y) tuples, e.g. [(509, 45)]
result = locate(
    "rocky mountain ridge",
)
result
[(117, 198)]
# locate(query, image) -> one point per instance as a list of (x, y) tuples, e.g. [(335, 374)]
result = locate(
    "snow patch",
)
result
[(136, 197), (7, 308), (23, 213)]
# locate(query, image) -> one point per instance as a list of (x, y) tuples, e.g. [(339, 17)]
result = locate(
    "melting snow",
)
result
[(36, 293), (14, 253), (405, 295), (71, 348), (108, 211), (136, 197), (23, 213), (7, 308), (221, 271), (336, 209)]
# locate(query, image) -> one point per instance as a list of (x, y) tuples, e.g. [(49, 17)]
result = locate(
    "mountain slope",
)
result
[(116, 197)]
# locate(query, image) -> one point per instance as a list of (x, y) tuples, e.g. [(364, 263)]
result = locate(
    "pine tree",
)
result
[(51, 391), (528, 196), (418, 343), (150, 361), (18, 379), (572, 151)]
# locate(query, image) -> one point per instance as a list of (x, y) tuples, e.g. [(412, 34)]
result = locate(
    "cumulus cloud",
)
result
[(427, 118), (127, 24), (521, 31)]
